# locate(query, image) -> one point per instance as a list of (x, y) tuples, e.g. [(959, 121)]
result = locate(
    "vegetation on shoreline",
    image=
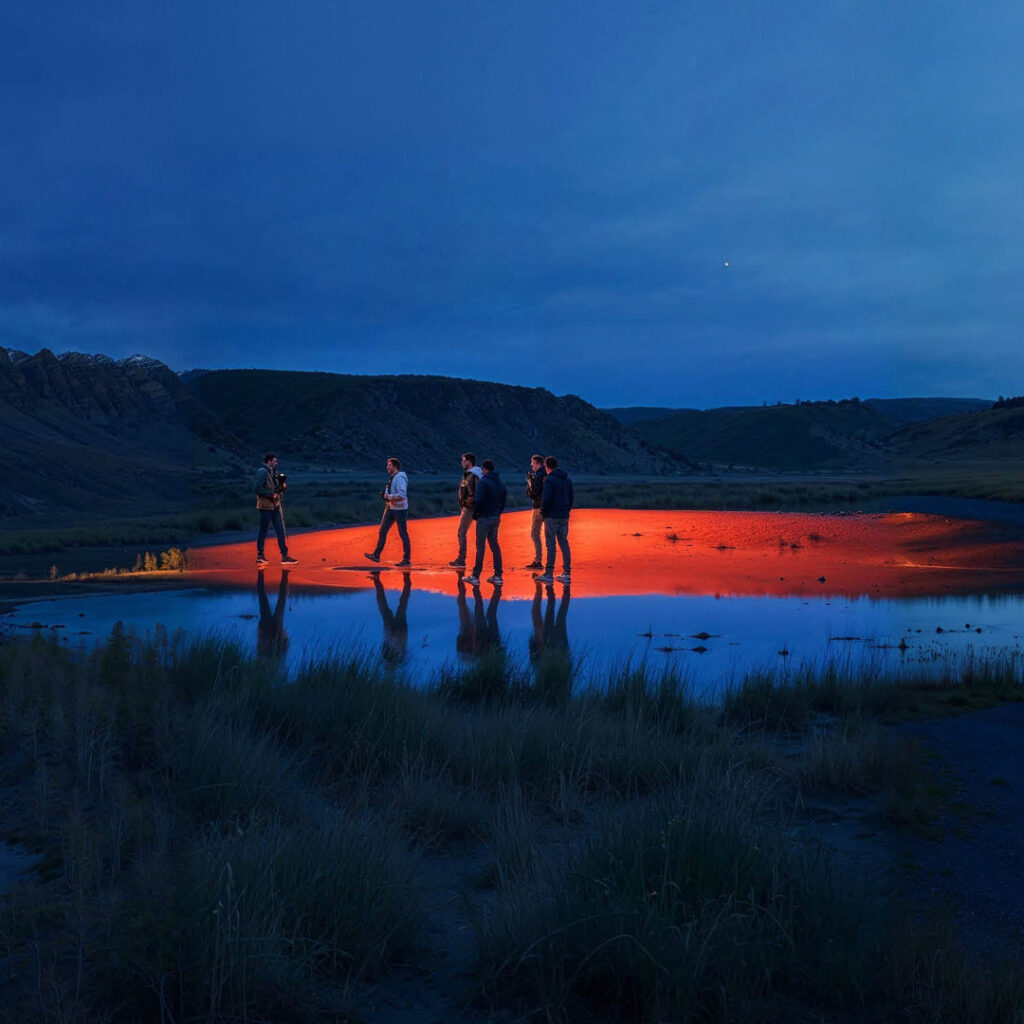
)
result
[(215, 844)]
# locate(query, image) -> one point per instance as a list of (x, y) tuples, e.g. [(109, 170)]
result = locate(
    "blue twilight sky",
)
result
[(647, 202)]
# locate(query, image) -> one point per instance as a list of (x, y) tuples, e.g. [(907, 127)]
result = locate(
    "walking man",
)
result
[(471, 473), (270, 485), (555, 506), (488, 505), (396, 512), (535, 491)]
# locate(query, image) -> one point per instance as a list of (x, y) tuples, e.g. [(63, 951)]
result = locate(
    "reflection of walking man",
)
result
[(471, 473), (488, 505), (556, 505), (535, 491), (269, 488), (396, 626), (271, 639), (396, 513)]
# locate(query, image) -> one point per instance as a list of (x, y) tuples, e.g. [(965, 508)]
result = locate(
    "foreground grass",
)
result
[(219, 846)]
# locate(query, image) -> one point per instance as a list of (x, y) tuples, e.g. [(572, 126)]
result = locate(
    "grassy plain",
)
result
[(216, 845)]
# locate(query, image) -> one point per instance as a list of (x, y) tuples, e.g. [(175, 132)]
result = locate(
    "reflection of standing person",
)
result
[(270, 485), (471, 473), (535, 491), (488, 505), (488, 636), (396, 626), (550, 633), (465, 642), (396, 512), (271, 639), (556, 505)]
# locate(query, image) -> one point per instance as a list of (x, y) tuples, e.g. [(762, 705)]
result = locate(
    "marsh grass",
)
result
[(221, 841)]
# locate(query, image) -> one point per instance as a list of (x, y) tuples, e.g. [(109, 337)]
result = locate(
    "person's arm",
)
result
[(471, 482)]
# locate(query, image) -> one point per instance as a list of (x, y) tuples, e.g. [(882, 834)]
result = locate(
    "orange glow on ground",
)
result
[(620, 552)]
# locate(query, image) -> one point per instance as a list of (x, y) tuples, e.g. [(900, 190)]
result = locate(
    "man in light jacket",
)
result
[(396, 512)]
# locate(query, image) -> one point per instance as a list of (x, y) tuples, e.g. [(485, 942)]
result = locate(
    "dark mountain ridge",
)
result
[(88, 434)]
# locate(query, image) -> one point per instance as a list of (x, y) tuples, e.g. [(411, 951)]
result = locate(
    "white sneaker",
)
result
[(496, 580), (473, 581), (564, 578)]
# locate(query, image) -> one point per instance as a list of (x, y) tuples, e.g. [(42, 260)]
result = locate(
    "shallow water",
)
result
[(712, 639)]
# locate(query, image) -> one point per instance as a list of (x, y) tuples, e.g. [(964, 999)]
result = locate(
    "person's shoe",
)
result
[(473, 581), (261, 562), (288, 560), (496, 580), (403, 564), (545, 577), (458, 563), (371, 556), (566, 577), (534, 565)]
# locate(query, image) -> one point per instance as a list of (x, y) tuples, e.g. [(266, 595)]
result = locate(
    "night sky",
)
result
[(643, 203)]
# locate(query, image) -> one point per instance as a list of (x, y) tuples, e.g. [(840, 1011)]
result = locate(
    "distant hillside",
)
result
[(86, 433), (847, 435), (992, 433), (87, 437), (357, 422), (914, 410), (631, 414)]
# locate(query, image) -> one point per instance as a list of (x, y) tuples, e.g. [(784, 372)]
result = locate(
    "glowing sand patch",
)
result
[(625, 552)]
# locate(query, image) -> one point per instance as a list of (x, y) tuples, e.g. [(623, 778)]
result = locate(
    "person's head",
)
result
[(551, 462), (270, 459), (468, 460), (487, 466), (394, 465), (536, 461)]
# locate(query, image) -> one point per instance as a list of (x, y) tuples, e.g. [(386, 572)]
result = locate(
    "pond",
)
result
[(711, 594)]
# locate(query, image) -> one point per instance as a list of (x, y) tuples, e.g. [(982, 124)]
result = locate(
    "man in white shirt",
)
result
[(396, 501)]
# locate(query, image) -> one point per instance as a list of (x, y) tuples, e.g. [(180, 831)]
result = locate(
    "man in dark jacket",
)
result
[(555, 507), (488, 504), (535, 491), (467, 489), (269, 487)]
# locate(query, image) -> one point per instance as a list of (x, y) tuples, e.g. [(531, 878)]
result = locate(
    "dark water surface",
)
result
[(711, 639)]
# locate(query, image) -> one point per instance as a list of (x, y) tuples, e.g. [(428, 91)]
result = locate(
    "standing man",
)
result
[(467, 489), (488, 505), (535, 491), (396, 501), (555, 506), (270, 485)]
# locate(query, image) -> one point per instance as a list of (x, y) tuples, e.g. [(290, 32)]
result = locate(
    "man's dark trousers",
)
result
[(400, 517), (268, 516), (487, 533)]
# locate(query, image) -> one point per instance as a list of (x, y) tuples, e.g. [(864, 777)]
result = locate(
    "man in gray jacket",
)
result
[(396, 512)]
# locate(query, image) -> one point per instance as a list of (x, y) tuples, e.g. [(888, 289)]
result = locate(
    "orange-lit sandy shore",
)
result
[(674, 552)]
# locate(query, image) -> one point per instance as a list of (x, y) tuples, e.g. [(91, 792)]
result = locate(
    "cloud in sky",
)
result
[(532, 193)]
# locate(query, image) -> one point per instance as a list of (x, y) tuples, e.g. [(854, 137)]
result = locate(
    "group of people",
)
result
[(482, 496)]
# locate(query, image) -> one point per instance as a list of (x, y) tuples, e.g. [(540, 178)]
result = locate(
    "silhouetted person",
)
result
[(396, 626), (271, 639)]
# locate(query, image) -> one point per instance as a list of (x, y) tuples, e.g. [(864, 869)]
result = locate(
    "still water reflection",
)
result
[(418, 632)]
